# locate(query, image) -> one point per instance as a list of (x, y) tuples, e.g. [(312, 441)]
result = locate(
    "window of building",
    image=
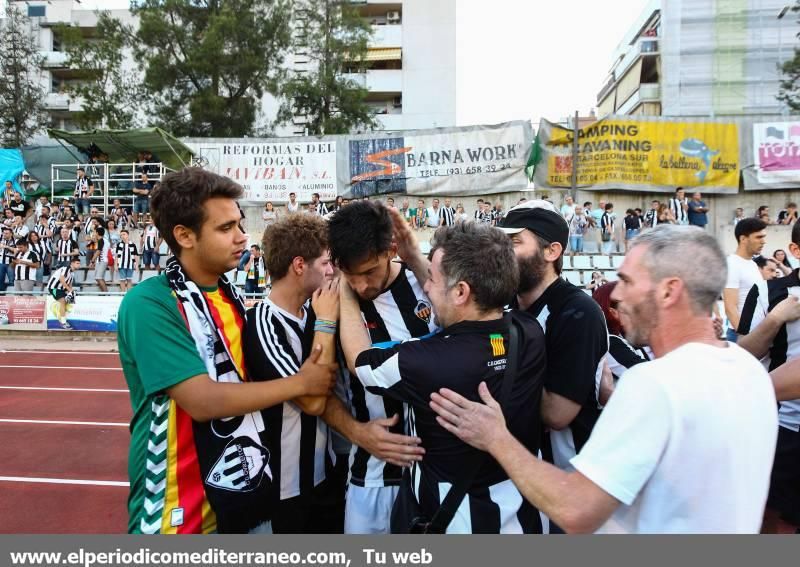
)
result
[(36, 11)]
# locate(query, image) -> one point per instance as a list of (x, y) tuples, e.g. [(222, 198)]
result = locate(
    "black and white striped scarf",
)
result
[(233, 459)]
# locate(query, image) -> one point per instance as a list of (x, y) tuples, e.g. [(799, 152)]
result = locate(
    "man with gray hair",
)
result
[(685, 444), (472, 276)]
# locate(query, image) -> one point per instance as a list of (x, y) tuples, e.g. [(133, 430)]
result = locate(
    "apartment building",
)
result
[(701, 58)]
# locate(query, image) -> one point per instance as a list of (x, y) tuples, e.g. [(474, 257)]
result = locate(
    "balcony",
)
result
[(379, 80), (62, 102), (54, 59), (386, 36), (650, 92)]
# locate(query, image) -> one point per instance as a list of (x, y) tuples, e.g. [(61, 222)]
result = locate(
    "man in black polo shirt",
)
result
[(575, 330), (19, 207), (472, 276)]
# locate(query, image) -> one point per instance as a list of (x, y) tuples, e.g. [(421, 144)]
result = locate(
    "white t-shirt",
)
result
[(686, 443), (742, 275), (433, 217)]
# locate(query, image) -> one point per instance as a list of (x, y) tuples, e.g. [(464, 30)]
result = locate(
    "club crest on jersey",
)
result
[(423, 310), (241, 467), (498, 347)]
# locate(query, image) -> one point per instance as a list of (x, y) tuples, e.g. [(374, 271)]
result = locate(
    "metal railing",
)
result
[(111, 181)]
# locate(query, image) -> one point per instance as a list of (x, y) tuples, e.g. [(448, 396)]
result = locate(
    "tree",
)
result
[(334, 37), (22, 111), (789, 91), (110, 94), (209, 63)]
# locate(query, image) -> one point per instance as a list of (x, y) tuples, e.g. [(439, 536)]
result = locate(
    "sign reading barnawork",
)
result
[(444, 161), (270, 169), (643, 154), (776, 146)]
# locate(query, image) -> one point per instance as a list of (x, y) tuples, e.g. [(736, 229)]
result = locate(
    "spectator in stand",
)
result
[(743, 274), (83, 191), (406, 211), (497, 212), (783, 262), (651, 216), (8, 193), (112, 233), (487, 213), (665, 215), (20, 207), (421, 215), (319, 206), (312, 209), (434, 214), (598, 279), (339, 203), (478, 214), (41, 204), (151, 242), (8, 217), (19, 228), (633, 225), (596, 214), (461, 215), (621, 356), (59, 287), (66, 248), (679, 206), (568, 208), (607, 229), (765, 218), (37, 246), (698, 211), (256, 279), (119, 214), (390, 202), (8, 251), (293, 206), (269, 215), (26, 262), (127, 260), (141, 200), (448, 214), (100, 258), (578, 225), (788, 215), (762, 210), (768, 267), (738, 215)]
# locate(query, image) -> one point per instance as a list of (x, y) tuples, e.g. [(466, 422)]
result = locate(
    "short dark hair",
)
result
[(256, 246), (746, 227), (359, 232), (315, 195), (481, 256), (761, 261), (678, 189), (125, 230), (761, 208), (81, 169), (609, 206), (295, 235), (587, 204), (180, 197), (22, 241)]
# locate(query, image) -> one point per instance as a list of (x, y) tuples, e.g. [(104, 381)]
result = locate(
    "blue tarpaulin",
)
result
[(11, 167)]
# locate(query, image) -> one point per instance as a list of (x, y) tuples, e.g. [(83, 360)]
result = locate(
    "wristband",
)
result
[(325, 326)]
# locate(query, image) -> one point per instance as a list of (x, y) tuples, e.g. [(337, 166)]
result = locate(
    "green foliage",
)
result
[(789, 92), (208, 63), (22, 111), (110, 95), (334, 37)]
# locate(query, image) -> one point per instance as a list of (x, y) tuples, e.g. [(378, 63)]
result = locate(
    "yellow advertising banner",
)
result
[(648, 154)]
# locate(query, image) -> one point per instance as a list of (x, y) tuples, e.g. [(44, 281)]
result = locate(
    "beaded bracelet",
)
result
[(325, 326)]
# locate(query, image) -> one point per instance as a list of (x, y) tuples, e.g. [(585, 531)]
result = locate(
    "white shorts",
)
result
[(369, 510)]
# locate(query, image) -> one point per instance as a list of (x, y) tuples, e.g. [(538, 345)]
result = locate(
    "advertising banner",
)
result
[(22, 312), (776, 148), (88, 313), (270, 169), (642, 154), (472, 160)]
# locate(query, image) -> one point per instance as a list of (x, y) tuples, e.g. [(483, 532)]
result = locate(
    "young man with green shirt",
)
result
[(193, 467)]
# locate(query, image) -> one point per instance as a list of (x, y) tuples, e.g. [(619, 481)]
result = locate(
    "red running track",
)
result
[(68, 477)]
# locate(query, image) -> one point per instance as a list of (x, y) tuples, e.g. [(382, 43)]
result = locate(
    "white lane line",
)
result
[(60, 389), (61, 367), (51, 422), (89, 352), (64, 481)]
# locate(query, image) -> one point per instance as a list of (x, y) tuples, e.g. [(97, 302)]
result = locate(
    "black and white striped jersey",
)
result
[(126, 255), (23, 272), (54, 281), (400, 313), (447, 216), (275, 345), (63, 249), (577, 340), (622, 356), (82, 187), (40, 248), (150, 236), (322, 209), (786, 344), (676, 206), (43, 232), (7, 255), (460, 357)]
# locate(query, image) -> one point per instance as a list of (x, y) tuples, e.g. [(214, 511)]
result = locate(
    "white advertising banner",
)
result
[(776, 148), (88, 313), (270, 169)]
